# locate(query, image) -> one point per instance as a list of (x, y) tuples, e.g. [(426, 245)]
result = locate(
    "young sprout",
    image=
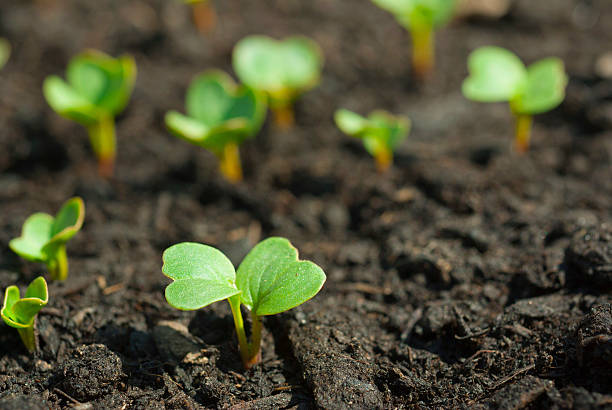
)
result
[(269, 280), (204, 16), (98, 89), (5, 51), (43, 237), (282, 69), (497, 74), (420, 18), (220, 116), (381, 133), (21, 313)]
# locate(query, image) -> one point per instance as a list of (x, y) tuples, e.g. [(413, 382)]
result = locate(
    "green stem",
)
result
[(58, 266), (234, 302), (523, 132), (423, 54), (28, 337), (103, 142), (249, 352), (229, 162)]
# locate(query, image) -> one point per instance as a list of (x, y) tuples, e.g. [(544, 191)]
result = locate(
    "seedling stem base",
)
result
[(28, 337), (103, 142), (523, 132), (204, 16), (58, 267), (384, 159), (423, 54), (249, 352), (284, 117), (229, 163)]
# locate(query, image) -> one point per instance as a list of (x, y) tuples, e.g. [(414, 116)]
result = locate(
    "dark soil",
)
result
[(468, 276)]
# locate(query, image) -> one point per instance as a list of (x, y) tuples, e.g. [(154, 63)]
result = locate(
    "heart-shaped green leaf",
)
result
[(202, 275), (20, 313), (545, 87), (97, 86), (273, 280), (416, 14), (282, 69), (219, 112), (42, 234), (496, 74)]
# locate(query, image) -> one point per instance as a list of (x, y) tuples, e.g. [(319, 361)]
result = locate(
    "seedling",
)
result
[(204, 16), (497, 74), (381, 133), (282, 69), (43, 237), (21, 313), (220, 116), (269, 280), (420, 18), (5, 51), (98, 89)]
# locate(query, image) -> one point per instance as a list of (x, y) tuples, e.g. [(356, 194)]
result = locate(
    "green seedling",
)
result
[(5, 51), (381, 133), (43, 237), (203, 13), (220, 116), (421, 18), (282, 69), (496, 74), (269, 280), (98, 89), (21, 313)]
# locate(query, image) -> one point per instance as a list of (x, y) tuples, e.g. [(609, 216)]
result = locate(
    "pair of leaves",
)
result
[(218, 112), (97, 86), (379, 131), (497, 74), (282, 69), (20, 313), (42, 234), (419, 14), (269, 280)]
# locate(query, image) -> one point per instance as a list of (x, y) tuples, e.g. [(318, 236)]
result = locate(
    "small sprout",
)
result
[(204, 16), (98, 88), (420, 18), (282, 69), (497, 74), (43, 237), (21, 313), (220, 116), (269, 280), (381, 133), (5, 51)]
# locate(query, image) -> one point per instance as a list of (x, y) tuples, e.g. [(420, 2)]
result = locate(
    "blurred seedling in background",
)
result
[(496, 74), (21, 313), (269, 280), (381, 133), (282, 69), (5, 51), (220, 116), (421, 18), (43, 237), (203, 14), (98, 88)]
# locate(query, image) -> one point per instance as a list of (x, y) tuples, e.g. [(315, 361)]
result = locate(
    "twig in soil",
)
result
[(512, 376), (113, 288), (478, 353), (364, 288), (416, 316), (61, 393), (283, 387), (476, 334)]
